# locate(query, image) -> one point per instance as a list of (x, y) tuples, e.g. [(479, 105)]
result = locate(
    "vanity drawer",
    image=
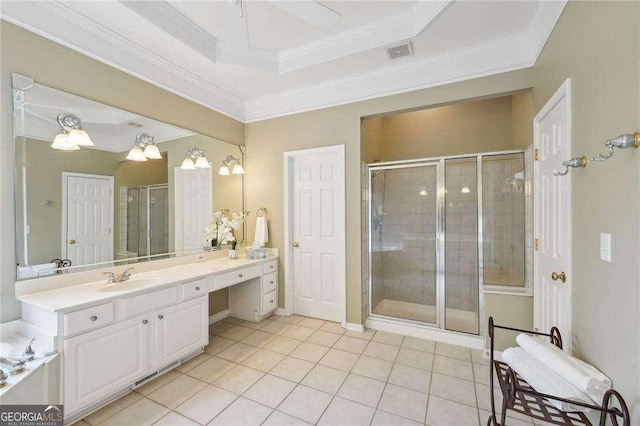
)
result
[(269, 282), (234, 277), (146, 302), (194, 289), (270, 266), (88, 319), (269, 302)]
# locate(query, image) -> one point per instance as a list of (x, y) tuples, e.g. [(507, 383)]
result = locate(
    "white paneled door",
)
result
[(192, 207), (317, 239), (552, 216), (87, 218)]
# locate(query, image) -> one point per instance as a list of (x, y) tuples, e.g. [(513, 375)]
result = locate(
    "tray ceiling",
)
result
[(254, 60)]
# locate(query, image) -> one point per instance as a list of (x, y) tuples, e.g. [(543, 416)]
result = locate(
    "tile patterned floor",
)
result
[(299, 371)]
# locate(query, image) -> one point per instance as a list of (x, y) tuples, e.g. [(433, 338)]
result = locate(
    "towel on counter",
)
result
[(262, 234), (544, 380), (583, 376), (35, 271)]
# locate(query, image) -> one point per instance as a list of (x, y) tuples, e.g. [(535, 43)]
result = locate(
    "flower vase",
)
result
[(233, 254), (214, 244)]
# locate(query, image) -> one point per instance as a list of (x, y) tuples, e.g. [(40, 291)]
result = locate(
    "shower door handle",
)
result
[(296, 244)]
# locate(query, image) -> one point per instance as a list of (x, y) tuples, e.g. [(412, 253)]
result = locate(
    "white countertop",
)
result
[(86, 294)]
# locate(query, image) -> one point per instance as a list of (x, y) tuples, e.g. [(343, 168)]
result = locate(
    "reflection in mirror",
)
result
[(91, 204)]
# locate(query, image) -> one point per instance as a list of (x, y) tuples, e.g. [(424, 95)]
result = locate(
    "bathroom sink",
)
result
[(130, 284)]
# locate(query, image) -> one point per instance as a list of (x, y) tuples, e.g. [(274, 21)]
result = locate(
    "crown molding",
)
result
[(63, 25), (60, 23), (496, 57), (394, 29)]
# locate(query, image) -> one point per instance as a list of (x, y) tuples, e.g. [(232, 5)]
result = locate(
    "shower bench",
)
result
[(520, 397)]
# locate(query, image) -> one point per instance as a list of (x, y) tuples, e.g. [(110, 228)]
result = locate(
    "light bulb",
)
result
[(237, 170), (62, 143), (152, 151), (136, 154), (202, 163), (80, 137), (224, 170), (187, 164)]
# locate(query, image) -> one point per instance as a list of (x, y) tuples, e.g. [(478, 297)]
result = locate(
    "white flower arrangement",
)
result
[(222, 227)]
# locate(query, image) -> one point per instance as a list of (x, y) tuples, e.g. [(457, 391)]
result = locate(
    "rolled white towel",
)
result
[(583, 376), (544, 380)]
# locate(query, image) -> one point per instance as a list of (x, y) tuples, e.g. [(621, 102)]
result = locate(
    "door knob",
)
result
[(72, 241), (296, 244), (561, 276)]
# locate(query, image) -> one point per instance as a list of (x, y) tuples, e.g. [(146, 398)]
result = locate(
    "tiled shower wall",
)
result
[(504, 217), (404, 237)]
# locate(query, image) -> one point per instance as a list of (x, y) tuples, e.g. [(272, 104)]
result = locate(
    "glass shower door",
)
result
[(403, 240), (158, 220), (461, 245)]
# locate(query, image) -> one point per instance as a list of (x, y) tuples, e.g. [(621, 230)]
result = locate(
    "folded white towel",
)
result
[(262, 233), (583, 376), (35, 271), (544, 380)]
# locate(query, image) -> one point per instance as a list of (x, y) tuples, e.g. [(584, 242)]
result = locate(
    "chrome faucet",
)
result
[(113, 278)]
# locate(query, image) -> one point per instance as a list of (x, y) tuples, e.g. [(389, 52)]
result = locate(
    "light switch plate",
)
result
[(605, 247)]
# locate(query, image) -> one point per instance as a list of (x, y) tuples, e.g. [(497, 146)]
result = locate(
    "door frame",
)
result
[(66, 175), (563, 92), (288, 158)]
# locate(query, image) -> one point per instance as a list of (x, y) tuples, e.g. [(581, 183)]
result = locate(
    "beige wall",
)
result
[(54, 65), (267, 140), (463, 128), (597, 44)]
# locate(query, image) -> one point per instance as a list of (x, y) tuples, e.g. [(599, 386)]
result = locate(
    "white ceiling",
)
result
[(283, 57), (110, 129)]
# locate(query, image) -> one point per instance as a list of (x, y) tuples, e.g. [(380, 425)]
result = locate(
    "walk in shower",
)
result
[(439, 230), (147, 220)]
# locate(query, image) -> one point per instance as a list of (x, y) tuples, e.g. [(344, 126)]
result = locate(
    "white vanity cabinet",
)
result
[(258, 297), (110, 342), (179, 330), (104, 361)]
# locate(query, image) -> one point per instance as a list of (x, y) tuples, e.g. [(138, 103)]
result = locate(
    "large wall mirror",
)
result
[(81, 207)]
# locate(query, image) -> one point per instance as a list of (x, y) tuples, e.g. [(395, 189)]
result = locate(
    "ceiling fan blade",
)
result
[(237, 31), (310, 11)]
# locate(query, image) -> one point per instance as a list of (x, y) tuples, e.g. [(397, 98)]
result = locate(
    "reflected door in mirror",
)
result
[(89, 220)]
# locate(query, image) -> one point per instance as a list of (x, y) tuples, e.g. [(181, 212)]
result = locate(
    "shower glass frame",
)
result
[(439, 162)]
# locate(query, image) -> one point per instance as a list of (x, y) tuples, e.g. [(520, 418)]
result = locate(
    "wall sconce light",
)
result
[(144, 141), (71, 136), (465, 190), (195, 159), (233, 163)]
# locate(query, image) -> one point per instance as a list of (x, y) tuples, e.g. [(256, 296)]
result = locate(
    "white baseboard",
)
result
[(279, 311), (352, 326), (445, 336), (219, 316)]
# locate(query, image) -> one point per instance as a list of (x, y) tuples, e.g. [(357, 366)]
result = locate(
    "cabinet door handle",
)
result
[(271, 266), (240, 275), (145, 322), (197, 288), (93, 318), (270, 282), (160, 316), (271, 301)]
